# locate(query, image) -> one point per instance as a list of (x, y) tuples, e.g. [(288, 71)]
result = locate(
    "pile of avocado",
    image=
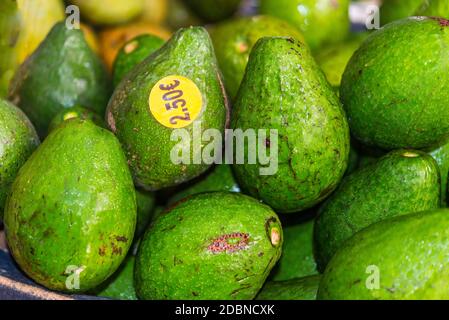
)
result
[(117, 183)]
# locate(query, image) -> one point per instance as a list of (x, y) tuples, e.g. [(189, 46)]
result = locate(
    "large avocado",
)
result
[(210, 246), (72, 209), (284, 90), (401, 182), (396, 85), (295, 289)]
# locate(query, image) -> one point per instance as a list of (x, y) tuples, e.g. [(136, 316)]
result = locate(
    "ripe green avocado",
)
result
[(213, 10), (295, 289), (186, 61), (121, 284), (63, 72), (399, 258), (146, 202), (395, 87), (284, 90), (234, 39), (399, 183), (321, 22), (210, 246), (75, 112), (72, 208), (18, 140), (132, 53)]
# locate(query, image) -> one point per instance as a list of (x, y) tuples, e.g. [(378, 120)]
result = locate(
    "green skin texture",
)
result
[(213, 10), (220, 178), (410, 253), (398, 9), (72, 204), (63, 72), (297, 258), (146, 142), (234, 39), (284, 89), (121, 284), (321, 21), (76, 112), (174, 262), (395, 91), (18, 140), (146, 202), (145, 45), (395, 185), (295, 289)]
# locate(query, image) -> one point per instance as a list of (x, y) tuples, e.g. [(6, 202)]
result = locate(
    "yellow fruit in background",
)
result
[(109, 12), (155, 11), (112, 39), (91, 38)]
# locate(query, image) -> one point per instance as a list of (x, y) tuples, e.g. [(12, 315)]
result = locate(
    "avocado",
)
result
[(132, 53), (399, 183), (295, 289), (218, 245), (63, 72), (441, 156), (400, 258), (219, 178), (284, 90), (213, 10), (233, 40), (72, 209), (76, 112), (394, 87), (121, 284), (146, 202), (184, 72), (321, 22), (18, 140)]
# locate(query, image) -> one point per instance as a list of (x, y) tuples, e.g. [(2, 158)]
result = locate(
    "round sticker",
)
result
[(175, 101)]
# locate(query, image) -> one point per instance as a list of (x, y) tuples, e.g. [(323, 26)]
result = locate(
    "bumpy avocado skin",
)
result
[(76, 112), (72, 205), (121, 284), (295, 289), (133, 53), (234, 39), (408, 253), (146, 142), (321, 21), (61, 73), (283, 89), (402, 182), (146, 202), (180, 257), (395, 86), (213, 10), (18, 140)]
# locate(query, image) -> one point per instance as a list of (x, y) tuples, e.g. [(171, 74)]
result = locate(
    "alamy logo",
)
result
[(373, 280), (373, 17), (73, 19), (73, 277)]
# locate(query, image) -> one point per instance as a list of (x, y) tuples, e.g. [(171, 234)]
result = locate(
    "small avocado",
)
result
[(233, 40), (72, 209), (399, 183), (121, 284), (134, 52), (403, 258), (18, 140), (295, 289), (213, 10), (76, 112), (146, 202), (63, 72), (394, 88), (284, 90), (165, 105), (219, 245), (321, 22)]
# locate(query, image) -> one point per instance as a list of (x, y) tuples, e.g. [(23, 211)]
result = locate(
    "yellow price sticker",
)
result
[(175, 101)]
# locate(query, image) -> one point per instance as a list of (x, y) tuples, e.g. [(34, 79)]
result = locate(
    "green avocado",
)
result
[(72, 209), (219, 178), (132, 53), (63, 72), (321, 22), (187, 61), (284, 90), (146, 203), (295, 289), (396, 259), (398, 9), (394, 88), (234, 39), (18, 140), (121, 284), (441, 156), (76, 112), (213, 10), (399, 183), (219, 245)]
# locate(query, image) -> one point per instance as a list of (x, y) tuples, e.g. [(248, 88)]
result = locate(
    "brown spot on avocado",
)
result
[(443, 22), (102, 251), (121, 238), (229, 243)]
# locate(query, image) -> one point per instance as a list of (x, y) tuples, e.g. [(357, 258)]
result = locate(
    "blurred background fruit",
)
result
[(155, 11), (214, 10)]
